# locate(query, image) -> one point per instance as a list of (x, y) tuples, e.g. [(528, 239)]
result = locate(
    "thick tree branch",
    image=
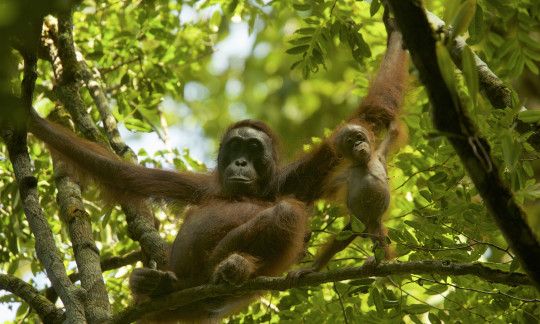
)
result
[(498, 94), (141, 216), (194, 294), (42, 306), (45, 246), (67, 87), (57, 48), (451, 119), (109, 122), (74, 215)]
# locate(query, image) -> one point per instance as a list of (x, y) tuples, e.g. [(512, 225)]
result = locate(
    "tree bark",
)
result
[(450, 117), (441, 267)]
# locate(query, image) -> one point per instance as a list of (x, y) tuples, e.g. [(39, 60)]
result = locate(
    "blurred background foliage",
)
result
[(187, 69)]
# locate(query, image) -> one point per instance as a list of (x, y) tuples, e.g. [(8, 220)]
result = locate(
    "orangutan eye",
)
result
[(234, 145), (254, 146)]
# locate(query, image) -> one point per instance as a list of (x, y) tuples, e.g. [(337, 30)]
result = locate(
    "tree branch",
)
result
[(45, 246), (449, 116), (498, 94), (102, 104), (43, 307), (74, 215), (139, 215), (194, 294), (67, 87)]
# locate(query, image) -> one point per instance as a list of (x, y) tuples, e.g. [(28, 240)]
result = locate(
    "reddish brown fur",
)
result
[(123, 180), (268, 231), (385, 97)]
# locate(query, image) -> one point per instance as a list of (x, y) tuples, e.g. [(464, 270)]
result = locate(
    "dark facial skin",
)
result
[(353, 142), (245, 161)]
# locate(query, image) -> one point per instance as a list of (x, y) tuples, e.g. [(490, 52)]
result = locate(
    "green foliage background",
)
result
[(149, 52)]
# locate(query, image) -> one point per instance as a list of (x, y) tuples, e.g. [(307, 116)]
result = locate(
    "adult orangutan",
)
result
[(247, 218)]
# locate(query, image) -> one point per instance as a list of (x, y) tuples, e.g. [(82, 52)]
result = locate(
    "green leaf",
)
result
[(343, 34), (525, 38), (215, 21), (436, 289), (532, 66), (415, 318), (463, 18), (476, 27), (305, 31), (527, 167), (296, 63), (379, 254), (510, 44), (377, 300), (501, 303), (107, 215), (439, 177), (426, 194), (357, 225), (318, 56), (409, 238), (529, 116), (531, 54), (414, 224), (374, 7), (363, 46), (433, 319), (451, 10), (446, 66), (302, 6), (298, 49), (311, 21), (395, 235), (343, 235), (496, 39), (514, 265), (471, 73), (359, 290), (137, 125), (416, 309), (301, 40)]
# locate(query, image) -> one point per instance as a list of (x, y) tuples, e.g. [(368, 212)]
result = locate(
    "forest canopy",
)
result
[(158, 82)]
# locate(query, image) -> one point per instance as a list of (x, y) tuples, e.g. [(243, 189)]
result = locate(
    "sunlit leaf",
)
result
[(416, 309), (377, 300), (357, 225), (343, 235), (471, 73), (446, 66), (298, 49), (374, 7), (305, 31), (137, 125), (302, 6), (529, 116), (463, 18), (476, 26)]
